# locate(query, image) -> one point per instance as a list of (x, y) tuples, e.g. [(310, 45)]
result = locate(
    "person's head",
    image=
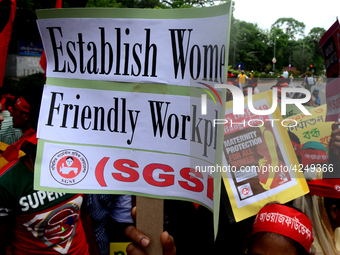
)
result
[(329, 190), (316, 92), (282, 82), (20, 113), (280, 230), (278, 90), (296, 145), (332, 206), (5, 100), (242, 71), (69, 161), (269, 243), (313, 153), (25, 111), (229, 95), (245, 90)]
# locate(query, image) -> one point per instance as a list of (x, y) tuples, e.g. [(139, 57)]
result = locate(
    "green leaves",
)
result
[(290, 26), (257, 50)]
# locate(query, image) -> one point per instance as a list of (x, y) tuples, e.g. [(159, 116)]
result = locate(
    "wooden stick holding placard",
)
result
[(149, 221)]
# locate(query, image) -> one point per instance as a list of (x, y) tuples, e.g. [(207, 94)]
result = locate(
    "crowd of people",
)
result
[(39, 222)]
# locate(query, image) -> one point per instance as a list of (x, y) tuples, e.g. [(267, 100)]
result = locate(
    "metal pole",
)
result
[(274, 52), (234, 53), (235, 47), (303, 56)]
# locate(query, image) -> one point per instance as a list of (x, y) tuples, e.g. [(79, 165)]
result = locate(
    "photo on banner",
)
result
[(259, 161), (118, 115)]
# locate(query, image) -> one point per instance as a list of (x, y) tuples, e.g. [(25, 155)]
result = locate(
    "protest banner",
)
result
[(330, 46), (259, 161), (117, 114), (292, 110), (311, 128)]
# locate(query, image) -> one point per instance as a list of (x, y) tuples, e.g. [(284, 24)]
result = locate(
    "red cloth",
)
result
[(297, 148), (310, 156), (21, 104), (325, 188), (58, 4), (43, 62), (285, 221), (12, 151), (282, 81), (5, 37), (3, 100)]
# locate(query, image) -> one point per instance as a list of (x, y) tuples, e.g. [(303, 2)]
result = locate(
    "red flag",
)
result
[(58, 4), (5, 36), (13, 151), (43, 62)]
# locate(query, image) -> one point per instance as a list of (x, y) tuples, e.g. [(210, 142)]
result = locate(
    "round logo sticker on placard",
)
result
[(69, 167), (245, 190)]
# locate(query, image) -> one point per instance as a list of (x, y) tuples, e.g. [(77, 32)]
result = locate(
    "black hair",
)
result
[(294, 138), (276, 86), (253, 239), (245, 91), (328, 202), (32, 93)]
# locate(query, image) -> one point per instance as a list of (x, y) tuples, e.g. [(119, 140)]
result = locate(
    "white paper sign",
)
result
[(122, 110), (166, 123), (135, 50), (76, 167)]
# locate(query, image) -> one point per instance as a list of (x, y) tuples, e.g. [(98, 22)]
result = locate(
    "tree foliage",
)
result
[(290, 26), (125, 3), (188, 3), (254, 47), (103, 3), (300, 59), (316, 33)]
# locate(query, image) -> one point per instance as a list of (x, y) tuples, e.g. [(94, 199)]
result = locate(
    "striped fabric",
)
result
[(8, 134)]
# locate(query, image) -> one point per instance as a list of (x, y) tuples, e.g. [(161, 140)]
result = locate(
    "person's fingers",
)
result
[(137, 237), (133, 213), (140, 241), (336, 144), (335, 135), (133, 249), (335, 125), (168, 244)]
